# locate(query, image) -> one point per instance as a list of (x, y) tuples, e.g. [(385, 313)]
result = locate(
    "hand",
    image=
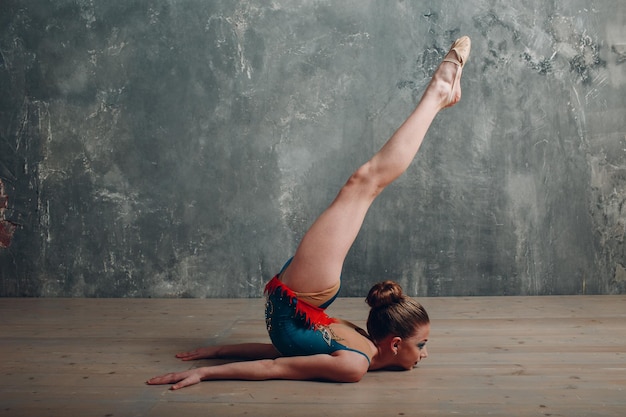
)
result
[(200, 353), (179, 379)]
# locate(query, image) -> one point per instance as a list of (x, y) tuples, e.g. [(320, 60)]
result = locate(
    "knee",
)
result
[(365, 181)]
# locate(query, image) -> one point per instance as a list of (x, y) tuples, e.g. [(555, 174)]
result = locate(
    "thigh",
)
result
[(318, 261), (289, 332)]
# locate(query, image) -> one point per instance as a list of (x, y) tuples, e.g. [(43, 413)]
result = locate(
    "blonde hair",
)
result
[(393, 312)]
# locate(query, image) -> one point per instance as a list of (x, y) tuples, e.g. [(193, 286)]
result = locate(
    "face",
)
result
[(412, 350)]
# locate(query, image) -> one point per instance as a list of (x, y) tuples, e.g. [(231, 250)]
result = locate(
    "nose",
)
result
[(424, 353)]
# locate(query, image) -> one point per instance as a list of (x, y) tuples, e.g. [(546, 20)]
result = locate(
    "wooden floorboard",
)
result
[(499, 356)]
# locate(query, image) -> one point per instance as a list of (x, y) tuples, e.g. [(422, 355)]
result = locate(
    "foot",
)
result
[(445, 85)]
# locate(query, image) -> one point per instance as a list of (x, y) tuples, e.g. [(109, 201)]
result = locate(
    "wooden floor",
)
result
[(501, 356)]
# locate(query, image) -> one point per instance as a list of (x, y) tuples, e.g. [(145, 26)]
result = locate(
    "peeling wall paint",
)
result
[(181, 149)]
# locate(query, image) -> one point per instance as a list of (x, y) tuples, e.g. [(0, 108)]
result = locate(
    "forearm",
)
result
[(247, 351), (256, 370), (242, 351)]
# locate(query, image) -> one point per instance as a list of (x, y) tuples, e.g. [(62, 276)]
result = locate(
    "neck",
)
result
[(382, 360)]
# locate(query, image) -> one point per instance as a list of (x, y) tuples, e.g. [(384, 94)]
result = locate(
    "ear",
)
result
[(394, 344)]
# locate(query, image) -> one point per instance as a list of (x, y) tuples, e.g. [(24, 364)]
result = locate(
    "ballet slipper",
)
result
[(461, 48)]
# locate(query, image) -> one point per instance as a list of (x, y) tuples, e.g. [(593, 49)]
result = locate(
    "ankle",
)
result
[(439, 92)]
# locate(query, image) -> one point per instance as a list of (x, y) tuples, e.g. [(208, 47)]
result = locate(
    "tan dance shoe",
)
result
[(458, 54)]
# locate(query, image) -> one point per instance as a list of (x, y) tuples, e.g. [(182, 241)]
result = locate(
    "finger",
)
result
[(184, 383), (188, 355), (163, 379), (157, 380)]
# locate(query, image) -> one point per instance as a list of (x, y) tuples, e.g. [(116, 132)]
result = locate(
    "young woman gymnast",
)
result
[(306, 343)]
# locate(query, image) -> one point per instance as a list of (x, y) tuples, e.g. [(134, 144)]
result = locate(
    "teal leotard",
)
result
[(298, 328)]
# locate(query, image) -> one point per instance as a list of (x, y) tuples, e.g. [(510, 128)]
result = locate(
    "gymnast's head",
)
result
[(398, 325)]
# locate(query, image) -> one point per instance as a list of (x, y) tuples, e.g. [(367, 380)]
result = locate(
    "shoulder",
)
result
[(353, 338), (352, 365)]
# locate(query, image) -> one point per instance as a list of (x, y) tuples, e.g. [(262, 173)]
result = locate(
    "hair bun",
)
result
[(384, 293)]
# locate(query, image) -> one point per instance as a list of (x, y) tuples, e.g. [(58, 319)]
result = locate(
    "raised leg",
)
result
[(318, 261)]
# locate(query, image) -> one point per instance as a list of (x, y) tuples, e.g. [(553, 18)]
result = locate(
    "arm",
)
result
[(243, 351), (341, 366)]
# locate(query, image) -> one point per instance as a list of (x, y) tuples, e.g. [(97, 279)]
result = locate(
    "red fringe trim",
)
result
[(311, 314)]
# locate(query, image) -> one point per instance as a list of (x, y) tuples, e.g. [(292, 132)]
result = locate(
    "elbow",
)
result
[(352, 367), (354, 377), (351, 376)]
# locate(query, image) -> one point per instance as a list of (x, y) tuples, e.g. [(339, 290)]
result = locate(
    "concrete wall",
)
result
[(180, 148)]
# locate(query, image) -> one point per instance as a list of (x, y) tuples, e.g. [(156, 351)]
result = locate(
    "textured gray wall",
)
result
[(181, 148)]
